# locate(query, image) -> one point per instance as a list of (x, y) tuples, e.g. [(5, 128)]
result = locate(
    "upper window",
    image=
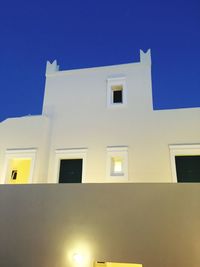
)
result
[(116, 92)]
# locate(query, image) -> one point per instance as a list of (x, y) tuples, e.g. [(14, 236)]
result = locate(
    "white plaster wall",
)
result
[(76, 102), (75, 115), (25, 133)]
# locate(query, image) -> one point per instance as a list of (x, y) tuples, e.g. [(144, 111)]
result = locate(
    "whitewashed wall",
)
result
[(76, 101), (26, 133), (75, 104)]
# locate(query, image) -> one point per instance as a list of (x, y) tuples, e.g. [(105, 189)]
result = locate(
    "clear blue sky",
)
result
[(81, 33)]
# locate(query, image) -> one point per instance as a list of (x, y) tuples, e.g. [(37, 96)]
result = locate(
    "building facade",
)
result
[(98, 125)]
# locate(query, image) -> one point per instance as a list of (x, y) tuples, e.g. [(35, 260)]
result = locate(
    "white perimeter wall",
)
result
[(156, 225)]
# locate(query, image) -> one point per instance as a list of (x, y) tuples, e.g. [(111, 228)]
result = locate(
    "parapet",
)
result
[(52, 67), (145, 57)]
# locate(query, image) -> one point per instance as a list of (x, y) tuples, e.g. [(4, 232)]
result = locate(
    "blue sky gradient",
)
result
[(90, 33)]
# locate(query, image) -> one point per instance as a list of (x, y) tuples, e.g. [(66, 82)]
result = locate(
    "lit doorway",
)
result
[(18, 171), (19, 166)]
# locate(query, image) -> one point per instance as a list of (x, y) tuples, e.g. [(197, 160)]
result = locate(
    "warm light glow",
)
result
[(117, 165), (79, 254), (78, 258), (18, 171)]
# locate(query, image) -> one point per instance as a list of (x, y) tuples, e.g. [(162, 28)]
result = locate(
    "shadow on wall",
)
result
[(74, 225)]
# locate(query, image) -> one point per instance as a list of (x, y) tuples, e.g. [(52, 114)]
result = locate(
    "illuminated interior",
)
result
[(117, 166), (18, 171), (116, 264)]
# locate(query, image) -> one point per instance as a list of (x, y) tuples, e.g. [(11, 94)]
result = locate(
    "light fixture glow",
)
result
[(78, 258)]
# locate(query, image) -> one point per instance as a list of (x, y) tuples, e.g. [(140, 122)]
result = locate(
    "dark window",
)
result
[(14, 175), (188, 169), (117, 96), (70, 171)]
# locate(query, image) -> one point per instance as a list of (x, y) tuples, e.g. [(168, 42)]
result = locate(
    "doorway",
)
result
[(18, 171), (188, 169), (70, 171), (19, 166)]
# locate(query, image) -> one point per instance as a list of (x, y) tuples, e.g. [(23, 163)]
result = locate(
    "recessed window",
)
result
[(117, 164), (116, 92)]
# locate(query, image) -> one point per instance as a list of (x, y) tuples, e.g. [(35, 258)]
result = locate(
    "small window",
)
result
[(116, 92), (117, 164)]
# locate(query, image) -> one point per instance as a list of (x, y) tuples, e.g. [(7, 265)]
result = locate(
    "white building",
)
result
[(98, 125)]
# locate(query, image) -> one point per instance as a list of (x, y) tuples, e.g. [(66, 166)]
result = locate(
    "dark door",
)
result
[(188, 169), (70, 171)]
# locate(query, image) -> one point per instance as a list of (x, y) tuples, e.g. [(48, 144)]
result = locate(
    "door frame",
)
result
[(181, 150), (29, 153), (75, 153)]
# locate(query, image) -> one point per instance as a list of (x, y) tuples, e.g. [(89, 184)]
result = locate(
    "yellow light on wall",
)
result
[(19, 170)]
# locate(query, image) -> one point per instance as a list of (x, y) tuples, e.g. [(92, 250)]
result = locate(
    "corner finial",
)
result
[(145, 57), (52, 67)]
